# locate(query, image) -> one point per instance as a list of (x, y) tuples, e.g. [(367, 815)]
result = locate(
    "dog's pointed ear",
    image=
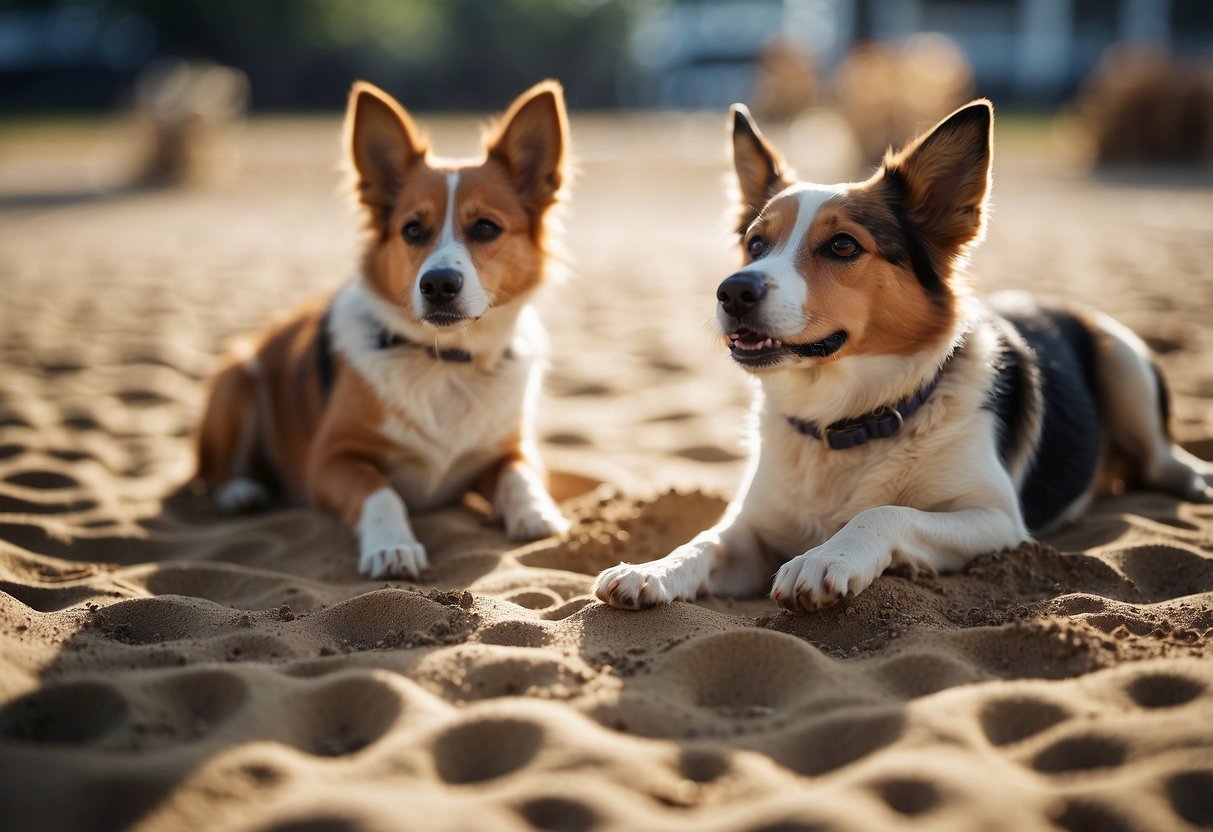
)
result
[(761, 170), (532, 142), (382, 143), (944, 177)]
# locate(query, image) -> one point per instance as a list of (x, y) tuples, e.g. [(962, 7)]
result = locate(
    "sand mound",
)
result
[(165, 668)]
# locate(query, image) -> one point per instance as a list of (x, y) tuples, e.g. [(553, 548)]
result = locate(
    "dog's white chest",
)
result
[(803, 492), (805, 510), (448, 424), (446, 421)]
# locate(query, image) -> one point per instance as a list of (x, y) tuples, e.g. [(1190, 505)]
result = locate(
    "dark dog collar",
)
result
[(880, 423), (387, 340)]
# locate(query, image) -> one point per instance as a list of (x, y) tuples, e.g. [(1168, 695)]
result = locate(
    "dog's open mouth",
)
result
[(754, 347), (758, 349)]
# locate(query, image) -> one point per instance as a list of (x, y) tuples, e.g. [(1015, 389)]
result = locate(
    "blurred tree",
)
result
[(436, 54)]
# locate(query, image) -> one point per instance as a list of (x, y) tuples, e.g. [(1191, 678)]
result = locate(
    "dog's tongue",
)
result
[(752, 341)]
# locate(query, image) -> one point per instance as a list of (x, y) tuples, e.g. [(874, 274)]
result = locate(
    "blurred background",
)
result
[(169, 178), (469, 54), (863, 74)]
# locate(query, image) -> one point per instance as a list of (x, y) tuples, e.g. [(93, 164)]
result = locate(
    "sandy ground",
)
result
[(163, 668)]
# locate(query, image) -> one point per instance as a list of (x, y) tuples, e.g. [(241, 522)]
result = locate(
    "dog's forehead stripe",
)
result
[(808, 199), (449, 252), (448, 223)]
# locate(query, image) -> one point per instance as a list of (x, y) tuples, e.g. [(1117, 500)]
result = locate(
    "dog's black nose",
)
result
[(739, 293), (441, 286)]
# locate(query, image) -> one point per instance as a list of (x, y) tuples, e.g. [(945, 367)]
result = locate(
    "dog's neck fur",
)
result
[(852, 386)]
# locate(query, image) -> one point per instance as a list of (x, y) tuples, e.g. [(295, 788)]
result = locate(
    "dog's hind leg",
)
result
[(226, 441), (1134, 399)]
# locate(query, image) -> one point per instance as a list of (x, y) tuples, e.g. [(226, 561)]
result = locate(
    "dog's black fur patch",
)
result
[(1068, 445), (882, 224), (1164, 400), (326, 367), (920, 258), (1011, 396)]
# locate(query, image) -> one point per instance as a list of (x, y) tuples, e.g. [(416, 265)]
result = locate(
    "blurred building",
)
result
[(703, 53), (475, 54), (70, 55)]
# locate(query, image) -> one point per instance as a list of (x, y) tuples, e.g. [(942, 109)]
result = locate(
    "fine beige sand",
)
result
[(162, 667)]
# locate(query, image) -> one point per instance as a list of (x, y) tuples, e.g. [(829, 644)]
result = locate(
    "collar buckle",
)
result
[(896, 413)]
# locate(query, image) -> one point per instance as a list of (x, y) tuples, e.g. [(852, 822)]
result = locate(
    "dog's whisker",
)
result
[(711, 327)]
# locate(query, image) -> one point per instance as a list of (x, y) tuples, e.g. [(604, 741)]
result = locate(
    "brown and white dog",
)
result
[(902, 422), (414, 383)]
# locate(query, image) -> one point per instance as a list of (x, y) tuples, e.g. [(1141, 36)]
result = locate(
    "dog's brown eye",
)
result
[(843, 246), (413, 232), (756, 247), (485, 230)]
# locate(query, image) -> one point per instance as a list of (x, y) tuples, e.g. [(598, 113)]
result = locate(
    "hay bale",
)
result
[(1143, 107), (889, 92), (186, 111)]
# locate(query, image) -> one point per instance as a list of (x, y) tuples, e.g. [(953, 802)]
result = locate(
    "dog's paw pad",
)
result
[(239, 495), (404, 560)]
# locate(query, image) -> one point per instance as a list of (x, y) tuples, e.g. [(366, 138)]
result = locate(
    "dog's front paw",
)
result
[(636, 586), (535, 522), (820, 578), (406, 559)]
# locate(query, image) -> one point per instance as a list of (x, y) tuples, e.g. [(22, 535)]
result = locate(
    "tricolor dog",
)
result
[(414, 383), (901, 422)]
